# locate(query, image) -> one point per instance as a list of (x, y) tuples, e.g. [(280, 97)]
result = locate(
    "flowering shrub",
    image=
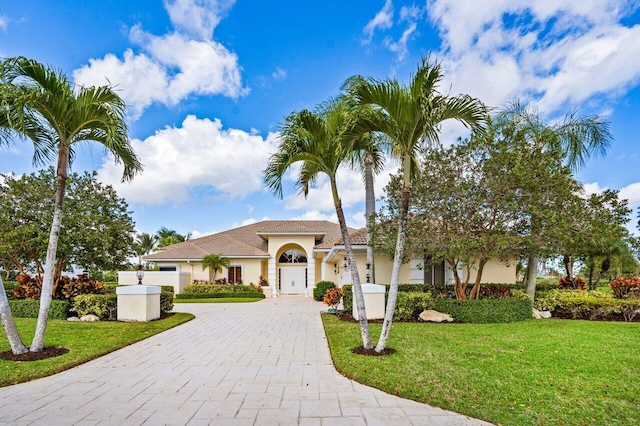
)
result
[(626, 287)]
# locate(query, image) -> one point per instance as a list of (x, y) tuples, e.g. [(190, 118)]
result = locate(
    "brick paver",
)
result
[(264, 363)]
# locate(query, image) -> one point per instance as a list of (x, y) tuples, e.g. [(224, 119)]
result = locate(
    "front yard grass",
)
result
[(85, 341), (547, 372), (220, 300)]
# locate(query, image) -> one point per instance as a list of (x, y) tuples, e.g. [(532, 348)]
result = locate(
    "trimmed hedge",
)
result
[(321, 288), (220, 288), (218, 295), (104, 306), (8, 288), (588, 304), (486, 310), (166, 301), (29, 308), (410, 305)]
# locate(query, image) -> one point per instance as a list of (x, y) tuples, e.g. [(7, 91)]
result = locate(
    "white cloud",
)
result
[(173, 66), (400, 47), (197, 18), (197, 234), (4, 22), (559, 54), (631, 192), (177, 160), (316, 215), (383, 20), (592, 188), (279, 74)]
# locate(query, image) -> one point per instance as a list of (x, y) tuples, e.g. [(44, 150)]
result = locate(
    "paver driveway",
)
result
[(263, 363)]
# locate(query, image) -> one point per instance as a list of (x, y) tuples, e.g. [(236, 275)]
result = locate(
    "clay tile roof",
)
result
[(245, 241), (357, 237)]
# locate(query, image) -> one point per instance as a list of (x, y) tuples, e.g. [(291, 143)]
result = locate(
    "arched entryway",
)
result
[(292, 271)]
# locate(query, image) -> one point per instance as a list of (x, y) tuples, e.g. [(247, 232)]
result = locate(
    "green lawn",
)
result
[(85, 341), (220, 300), (548, 372)]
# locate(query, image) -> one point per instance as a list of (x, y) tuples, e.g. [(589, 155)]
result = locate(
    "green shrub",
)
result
[(347, 299), (321, 289), (486, 310), (587, 304), (410, 304), (28, 308), (9, 286), (218, 295), (219, 288), (104, 306), (166, 301)]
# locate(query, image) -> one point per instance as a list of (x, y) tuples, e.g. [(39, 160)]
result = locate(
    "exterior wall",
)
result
[(277, 244), (179, 280), (496, 271), (383, 265), (251, 270)]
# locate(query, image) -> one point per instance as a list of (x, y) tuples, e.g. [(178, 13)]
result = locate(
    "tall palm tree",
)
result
[(41, 104), (144, 244), (579, 137), (167, 237), (215, 263), (410, 117), (319, 140)]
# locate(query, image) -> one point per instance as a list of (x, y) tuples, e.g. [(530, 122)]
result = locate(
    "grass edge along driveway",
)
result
[(85, 341), (536, 372)]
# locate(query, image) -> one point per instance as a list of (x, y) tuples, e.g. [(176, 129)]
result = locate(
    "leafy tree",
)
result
[(167, 237), (215, 263), (577, 137), (96, 226), (321, 142), (410, 117), (41, 104)]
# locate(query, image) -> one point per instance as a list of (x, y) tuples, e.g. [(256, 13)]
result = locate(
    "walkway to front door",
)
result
[(263, 363)]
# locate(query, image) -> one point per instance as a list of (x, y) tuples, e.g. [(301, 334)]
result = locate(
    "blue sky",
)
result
[(208, 83)]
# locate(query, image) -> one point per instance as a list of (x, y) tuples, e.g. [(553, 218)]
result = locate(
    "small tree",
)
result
[(215, 263)]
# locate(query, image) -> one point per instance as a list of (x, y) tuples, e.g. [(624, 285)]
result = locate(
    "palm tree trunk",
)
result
[(370, 209), (395, 273), (532, 272), (47, 285), (355, 276), (9, 325)]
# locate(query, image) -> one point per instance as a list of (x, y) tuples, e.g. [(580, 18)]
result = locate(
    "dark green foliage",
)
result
[(218, 295), (8, 288), (104, 306), (347, 299), (220, 288), (587, 304), (166, 301), (410, 304), (167, 288), (486, 310), (321, 289), (29, 308)]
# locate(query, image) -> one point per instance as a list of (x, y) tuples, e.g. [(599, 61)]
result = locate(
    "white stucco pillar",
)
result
[(271, 274), (323, 271), (311, 274)]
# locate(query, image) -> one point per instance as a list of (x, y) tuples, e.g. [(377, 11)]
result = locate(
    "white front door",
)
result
[(292, 280)]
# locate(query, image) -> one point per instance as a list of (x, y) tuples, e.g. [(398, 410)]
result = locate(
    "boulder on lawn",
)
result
[(89, 318), (545, 314), (434, 316), (73, 319), (536, 314)]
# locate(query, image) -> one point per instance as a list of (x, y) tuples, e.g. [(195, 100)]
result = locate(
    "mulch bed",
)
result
[(45, 353), (372, 352)]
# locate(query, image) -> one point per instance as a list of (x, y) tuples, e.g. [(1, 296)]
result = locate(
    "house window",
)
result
[(293, 256), (167, 268), (235, 275)]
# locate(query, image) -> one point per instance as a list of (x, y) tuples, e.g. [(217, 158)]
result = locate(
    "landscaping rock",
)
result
[(435, 316), (536, 314), (89, 318), (545, 314), (73, 319)]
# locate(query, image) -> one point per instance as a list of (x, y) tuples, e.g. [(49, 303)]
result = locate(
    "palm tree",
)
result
[(579, 137), (410, 117), (320, 141), (41, 104), (215, 263), (144, 244), (167, 237)]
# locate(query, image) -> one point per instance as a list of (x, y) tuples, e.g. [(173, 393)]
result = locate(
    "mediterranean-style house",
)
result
[(293, 256)]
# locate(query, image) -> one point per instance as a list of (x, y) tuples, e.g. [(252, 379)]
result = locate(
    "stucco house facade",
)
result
[(293, 256)]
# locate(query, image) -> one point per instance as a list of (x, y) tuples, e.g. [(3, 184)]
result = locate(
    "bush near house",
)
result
[(411, 304), (220, 288), (485, 311), (321, 289), (104, 306), (8, 288), (625, 287), (218, 295)]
